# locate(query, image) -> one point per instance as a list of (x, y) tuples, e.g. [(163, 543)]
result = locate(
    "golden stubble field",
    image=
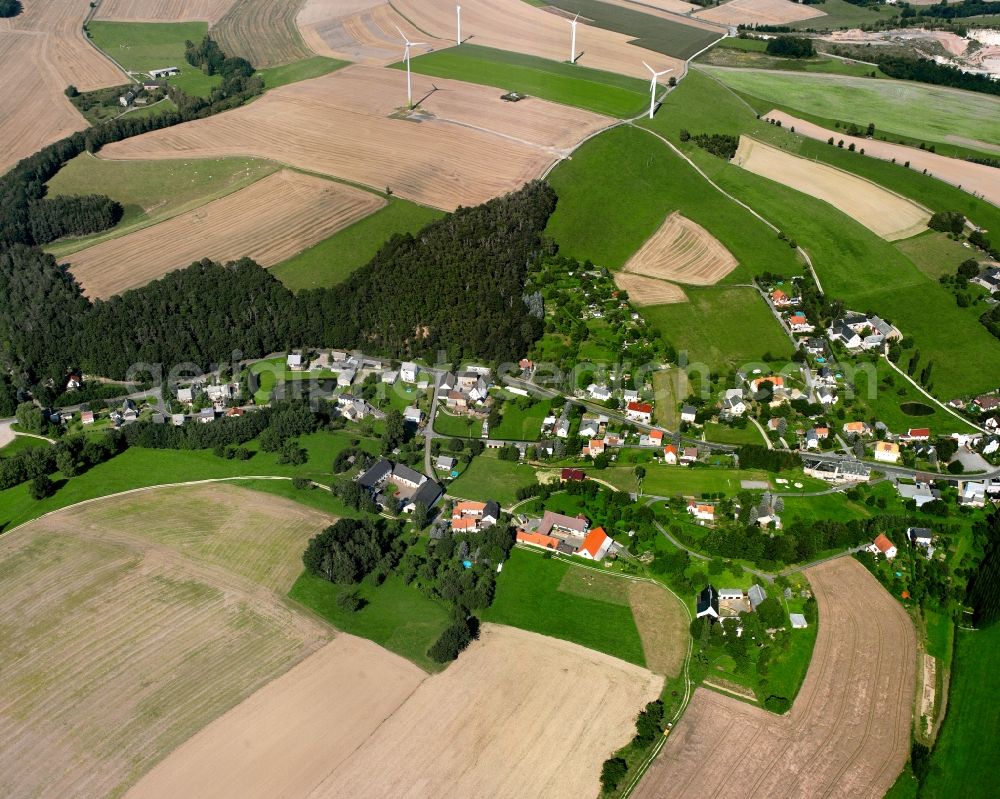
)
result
[(848, 732), (684, 251), (888, 215), (210, 11), (463, 147), (131, 623), (269, 221), (759, 12), (42, 51)]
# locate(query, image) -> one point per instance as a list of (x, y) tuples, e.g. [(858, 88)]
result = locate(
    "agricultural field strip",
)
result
[(683, 251), (42, 51), (468, 146), (162, 612), (977, 178), (644, 291), (758, 12), (211, 11), (847, 732), (885, 213), (269, 221), (521, 28), (262, 31), (360, 32)]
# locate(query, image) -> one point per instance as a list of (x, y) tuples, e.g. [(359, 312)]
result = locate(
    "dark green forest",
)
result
[(984, 584), (457, 285)]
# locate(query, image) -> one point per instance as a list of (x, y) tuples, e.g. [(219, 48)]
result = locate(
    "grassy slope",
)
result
[(300, 70), (151, 191), (529, 596), (965, 759), (488, 478), (519, 425), (560, 82), (619, 187), (651, 32), (889, 104), (853, 263), (21, 443), (749, 53), (712, 327), (142, 46), (396, 616), (334, 259), (841, 14), (139, 468)]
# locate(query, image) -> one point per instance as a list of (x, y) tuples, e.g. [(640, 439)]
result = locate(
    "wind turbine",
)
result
[(406, 55), (652, 85), (572, 48), (458, 23)]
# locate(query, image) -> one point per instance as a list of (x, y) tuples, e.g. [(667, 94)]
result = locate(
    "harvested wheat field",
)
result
[(262, 31), (132, 622), (476, 149), (976, 178), (359, 31), (673, 6), (269, 221), (162, 10), (643, 291), (518, 714), (291, 733), (888, 215), (759, 12), (684, 251), (848, 733), (521, 28), (42, 51), (663, 626)]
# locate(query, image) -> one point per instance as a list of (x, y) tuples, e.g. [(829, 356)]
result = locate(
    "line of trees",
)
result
[(791, 47), (721, 144), (928, 71), (984, 585)]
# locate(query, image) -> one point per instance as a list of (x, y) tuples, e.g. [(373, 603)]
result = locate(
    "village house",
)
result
[(916, 434), (590, 426), (844, 471), (206, 415), (594, 448), (707, 604), (689, 414), (294, 362), (701, 512), (826, 395), (412, 487), (815, 346), (989, 280), (776, 381), (408, 372), (413, 415), (345, 377), (86, 417), (163, 72), (812, 439), (474, 516), (537, 540), (798, 323), (389, 377), (630, 395), (596, 545), (921, 537), (654, 438), (599, 393), (689, 456), (557, 523), (781, 299), (457, 400), (732, 402), (178, 419), (840, 332), (562, 428), (882, 546), (886, 452), (856, 429), (639, 412), (572, 475), (445, 463), (670, 454)]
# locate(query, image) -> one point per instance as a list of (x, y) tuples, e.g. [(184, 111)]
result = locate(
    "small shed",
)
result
[(798, 621)]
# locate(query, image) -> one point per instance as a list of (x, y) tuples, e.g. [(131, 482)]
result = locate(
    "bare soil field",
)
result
[(517, 715), (290, 734), (42, 51), (162, 10), (269, 221), (759, 12), (683, 251), (888, 215), (262, 31), (664, 9), (977, 178), (521, 28), (131, 623), (359, 31), (675, 6), (663, 627), (848, 733), (643, 291), (463, 147)]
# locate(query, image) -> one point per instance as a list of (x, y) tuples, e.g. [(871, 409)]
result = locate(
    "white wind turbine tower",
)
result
[(572, 47), (406, 55), (458, 23), (652, 86)]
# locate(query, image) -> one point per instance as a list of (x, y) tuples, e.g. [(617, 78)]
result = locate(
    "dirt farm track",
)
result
[(848, 732)]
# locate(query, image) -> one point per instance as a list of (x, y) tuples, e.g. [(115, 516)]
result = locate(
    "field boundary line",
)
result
[(932, 398)]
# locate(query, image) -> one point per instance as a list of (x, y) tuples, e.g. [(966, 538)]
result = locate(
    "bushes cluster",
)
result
[(791, 47), (351, 549)]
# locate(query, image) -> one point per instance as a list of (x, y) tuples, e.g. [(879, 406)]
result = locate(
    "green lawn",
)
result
[(733, 435), (151, 191), (21, 443), (944, 112), (139, 468), (519, 425), (561, 82), (397, 616), (668, 481), (299, 70), (720, 327), (529, 596), (457, 426), (965, 759), (826, 506), (934, 254), (142, 46), (651, 32), (749, 53), (334, 259), (488, 478), (619, 187)]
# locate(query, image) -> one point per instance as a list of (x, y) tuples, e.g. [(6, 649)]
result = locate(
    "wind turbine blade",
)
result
[(647, 66), (576, 18), (401, 34)]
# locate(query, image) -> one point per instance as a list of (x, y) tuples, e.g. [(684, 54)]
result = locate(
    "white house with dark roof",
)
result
[(408, 372)]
